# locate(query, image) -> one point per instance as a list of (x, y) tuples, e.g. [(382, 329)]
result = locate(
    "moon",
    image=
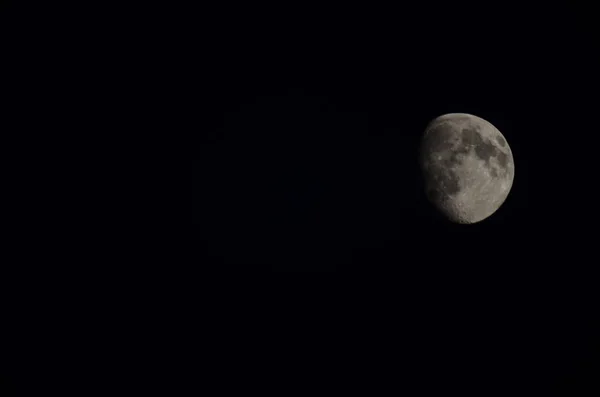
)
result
[(467, 167)]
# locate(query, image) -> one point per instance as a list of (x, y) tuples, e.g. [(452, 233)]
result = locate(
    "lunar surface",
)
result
[(467, 166)]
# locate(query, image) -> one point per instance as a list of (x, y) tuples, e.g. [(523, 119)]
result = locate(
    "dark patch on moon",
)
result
[(439, 138), (501, 141), (485, 151), (470, 137), (502, 159), (450, 182), (446, 179), (453, 160)]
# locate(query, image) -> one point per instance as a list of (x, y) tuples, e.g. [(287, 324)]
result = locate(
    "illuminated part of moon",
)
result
[(467, 165)]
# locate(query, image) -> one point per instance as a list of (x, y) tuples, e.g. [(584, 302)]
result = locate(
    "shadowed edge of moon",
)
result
[(440, 138)]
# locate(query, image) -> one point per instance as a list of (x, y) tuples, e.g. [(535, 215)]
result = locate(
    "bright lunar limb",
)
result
[(467, 165)]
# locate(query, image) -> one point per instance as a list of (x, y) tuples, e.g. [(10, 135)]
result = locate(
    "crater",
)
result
[(501, 141)]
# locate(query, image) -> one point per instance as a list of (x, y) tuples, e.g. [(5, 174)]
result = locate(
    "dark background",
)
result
[(306, 161), (306, 154), (304, 120)]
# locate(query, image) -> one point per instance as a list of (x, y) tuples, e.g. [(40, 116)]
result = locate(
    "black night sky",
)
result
[(308, 157), (307, 163)]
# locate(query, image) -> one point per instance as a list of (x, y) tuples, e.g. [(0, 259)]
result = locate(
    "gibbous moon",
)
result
[(467, 166)]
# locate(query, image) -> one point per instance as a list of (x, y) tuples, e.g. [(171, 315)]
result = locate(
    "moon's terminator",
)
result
[(467, 166)]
